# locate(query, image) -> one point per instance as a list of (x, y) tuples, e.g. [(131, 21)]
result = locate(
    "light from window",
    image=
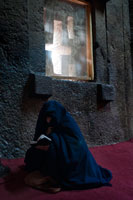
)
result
[(68, 40)]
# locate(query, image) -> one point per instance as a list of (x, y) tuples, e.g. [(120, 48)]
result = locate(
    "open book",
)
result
[(43, 140)]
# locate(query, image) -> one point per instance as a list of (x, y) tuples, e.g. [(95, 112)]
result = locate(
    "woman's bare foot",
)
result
[(44, 183), (49, 188), (35, 178)]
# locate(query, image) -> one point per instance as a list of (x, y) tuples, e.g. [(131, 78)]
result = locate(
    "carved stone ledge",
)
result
[(105, 92), (41, 85)]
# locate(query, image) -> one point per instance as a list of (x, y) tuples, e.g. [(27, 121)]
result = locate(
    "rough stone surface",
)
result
[(22, 51), (131, 24)]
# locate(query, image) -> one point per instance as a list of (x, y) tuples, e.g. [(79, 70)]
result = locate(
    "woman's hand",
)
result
[(44, 148), (49, 130)]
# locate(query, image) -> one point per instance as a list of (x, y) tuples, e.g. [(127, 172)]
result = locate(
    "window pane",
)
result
[(66, 39)]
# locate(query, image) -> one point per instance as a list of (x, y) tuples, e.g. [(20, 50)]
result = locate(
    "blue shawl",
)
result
[(68, 159)]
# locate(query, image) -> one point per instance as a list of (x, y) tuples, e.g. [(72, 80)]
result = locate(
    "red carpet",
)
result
[(118, 158)]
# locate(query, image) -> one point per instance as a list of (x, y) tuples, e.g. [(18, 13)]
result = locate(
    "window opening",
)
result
[(68, 39)]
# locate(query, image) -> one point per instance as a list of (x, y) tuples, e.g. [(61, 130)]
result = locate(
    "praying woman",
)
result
[(66, 163)]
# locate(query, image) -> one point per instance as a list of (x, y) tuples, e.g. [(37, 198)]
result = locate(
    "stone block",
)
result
[(42, 85), (106, 92)]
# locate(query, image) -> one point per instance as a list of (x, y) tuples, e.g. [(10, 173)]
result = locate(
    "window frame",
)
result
[(89, 45)]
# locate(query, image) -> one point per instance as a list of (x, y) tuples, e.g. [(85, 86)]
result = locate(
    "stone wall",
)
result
[(22, 53), (131, 24)]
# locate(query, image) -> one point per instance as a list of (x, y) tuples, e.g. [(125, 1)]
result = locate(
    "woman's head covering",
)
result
[(54, 110)]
